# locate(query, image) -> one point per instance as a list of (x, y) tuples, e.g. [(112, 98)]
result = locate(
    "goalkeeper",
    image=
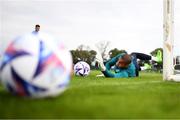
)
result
[(125, 65)]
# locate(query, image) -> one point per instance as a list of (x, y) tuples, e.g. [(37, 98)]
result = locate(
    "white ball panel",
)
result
[(29, 43), (51, 77), (25, 66)]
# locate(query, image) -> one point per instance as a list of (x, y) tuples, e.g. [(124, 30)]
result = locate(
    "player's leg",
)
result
[(142, 56)]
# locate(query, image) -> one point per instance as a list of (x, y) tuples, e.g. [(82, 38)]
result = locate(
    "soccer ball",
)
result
[(81, 68), (33, 65)]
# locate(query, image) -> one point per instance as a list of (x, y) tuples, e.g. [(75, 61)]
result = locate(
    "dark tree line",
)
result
[(84, 53), (115, 52), (154, 52)]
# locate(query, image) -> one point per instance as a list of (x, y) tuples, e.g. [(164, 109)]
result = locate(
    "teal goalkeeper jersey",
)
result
[(130, 71)]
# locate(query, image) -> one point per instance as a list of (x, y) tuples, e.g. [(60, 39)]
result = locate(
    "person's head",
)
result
[(124, 61), (37, 28)]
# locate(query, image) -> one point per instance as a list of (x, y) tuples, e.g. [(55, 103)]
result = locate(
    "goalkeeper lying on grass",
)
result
[(125, 65)]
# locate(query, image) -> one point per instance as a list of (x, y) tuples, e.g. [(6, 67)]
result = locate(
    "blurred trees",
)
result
[(83, 53), (154, 52), (115, 52)]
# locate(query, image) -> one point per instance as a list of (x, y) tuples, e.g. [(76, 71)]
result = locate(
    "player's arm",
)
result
[(112, 62)]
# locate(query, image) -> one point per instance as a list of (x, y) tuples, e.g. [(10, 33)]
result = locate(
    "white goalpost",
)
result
[(168, 46)]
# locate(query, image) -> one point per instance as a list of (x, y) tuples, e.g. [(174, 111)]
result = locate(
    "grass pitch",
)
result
[(144, 97)]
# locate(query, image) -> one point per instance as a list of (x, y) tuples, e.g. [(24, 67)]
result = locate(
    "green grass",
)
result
[(144, 97)]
